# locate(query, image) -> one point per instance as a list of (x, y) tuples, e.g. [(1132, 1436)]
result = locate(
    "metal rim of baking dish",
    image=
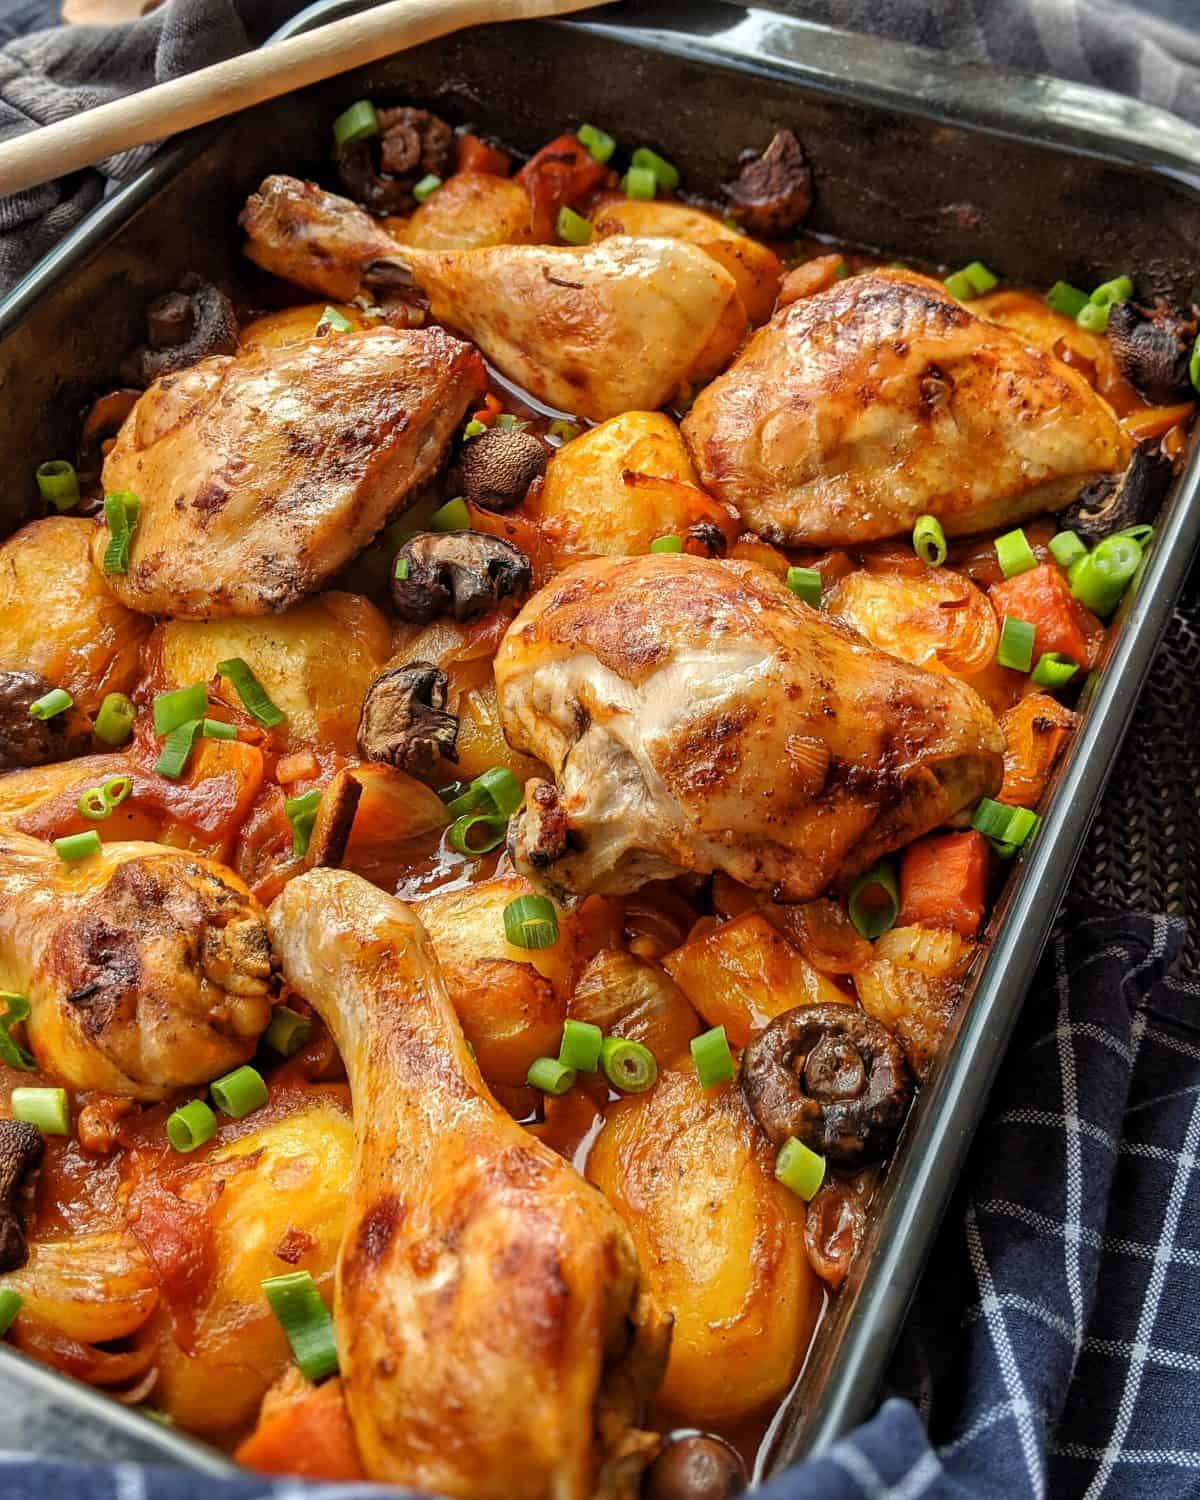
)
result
[(74, 1420)]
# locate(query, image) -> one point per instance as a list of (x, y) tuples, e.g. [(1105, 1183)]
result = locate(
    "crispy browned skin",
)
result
[(698, 716), (859, 409), (145, 968), (490, 1334), (314, 238), (260, 476)]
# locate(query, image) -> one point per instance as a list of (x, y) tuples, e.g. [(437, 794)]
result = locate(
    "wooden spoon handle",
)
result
[(240, 82)]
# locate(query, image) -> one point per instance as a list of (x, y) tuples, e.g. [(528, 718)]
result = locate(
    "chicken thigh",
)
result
[(146, 969), (492, 1342), (859, 409), (260, 476), (699, 717)]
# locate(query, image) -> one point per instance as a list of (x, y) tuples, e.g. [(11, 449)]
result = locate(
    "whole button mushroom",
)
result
[(831, 1076), (497, 468), (459, 573), (695, 1466), (183, 327), (381, 170), (26, 741)]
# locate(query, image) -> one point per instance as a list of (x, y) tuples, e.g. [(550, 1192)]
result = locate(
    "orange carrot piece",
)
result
[(310, 1437), (557, 176), (943, 882), (475, 155), (1153, 421), (1043, 598), (301, 765), (488, 412)]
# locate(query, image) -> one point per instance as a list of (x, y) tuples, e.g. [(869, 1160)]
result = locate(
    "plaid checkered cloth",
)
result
[(1054, 1348)]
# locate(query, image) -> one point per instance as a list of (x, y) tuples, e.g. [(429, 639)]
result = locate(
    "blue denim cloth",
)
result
[(1054, 1347)]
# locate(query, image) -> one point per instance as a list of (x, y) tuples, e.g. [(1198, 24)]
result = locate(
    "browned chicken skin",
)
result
[(259, 476), (146, 968), (698, 716), (491, 1339), (855, 411), (316, 239)]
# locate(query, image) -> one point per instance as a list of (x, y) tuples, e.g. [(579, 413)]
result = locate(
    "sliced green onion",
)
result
[(453, 790), (93, 805), (580, 1046), (76, 846), (16, 1010), (58, 482), (401, 570), (1054, 670), (191, 1125), (11, 1304), (506, 422), (177, 707), (929, 541), (1016, 644), (462, 836), (239, 1093), (1093, 318), (301, 813), (563, 430), (1194, 367), (50, 704), (331, 318), (992, 818), (712, 1057), (474, 429), (662, 544), (176, 748), (573, 227), (805, 583), (665, 174), (427, 186), (1067, 299), (550, 1076), (114, 722), (45, 1108), (628, 1065), (971, 281), (357, 123), (800, 1170), (453, 516), (152, 1414), (305, 1319), (1014, 553), (531, 922), (1143, 535), (218, 729), (639, 182), (1119, 289), (117, 789), (1099, 579), (1020, 825), (288, 1031), (252, 693), (120, 515), (1066, 548), (874, 901), (502, 787), (600, 145)]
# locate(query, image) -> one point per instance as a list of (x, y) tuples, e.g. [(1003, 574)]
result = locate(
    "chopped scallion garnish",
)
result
[(288, 1031), (1108, 293), (563, 430), (177, 747), (50, 704), (252, 693), (628, 1065), (239, 1093), (1101, 577), (334, 320), (929, 541), (664, 173), (800, 1170), (477, 833), (45, 1108), (712, 1057), (357, 123), (874, 901), (805, 583), (550, 1076), (972, 281), (58, 482), (453, 516), (427, 186), (474, 429), (1066, 548), (16, 1010), (178, 706), (662, 544), (598, 143), (573, 227), (11, 1304), (120, 515), (1054, 670), (1016, 644), (580, 1046), (502, 787), (191, 1125), (1066, 299), (217, 729), (639, 182), (305, 1320), (301, 813), (531, 922), (114, 722), (1014, 553), (76, 846)]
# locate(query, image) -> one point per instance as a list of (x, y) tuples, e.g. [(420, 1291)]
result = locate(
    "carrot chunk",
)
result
[(556, 177), (310, 1436), (1043, 597), (943, 882), (475, 155)]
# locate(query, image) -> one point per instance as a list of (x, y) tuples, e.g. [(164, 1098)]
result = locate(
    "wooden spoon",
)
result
[(240, 82)]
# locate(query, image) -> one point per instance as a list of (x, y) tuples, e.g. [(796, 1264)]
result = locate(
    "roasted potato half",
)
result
[(469, 210)]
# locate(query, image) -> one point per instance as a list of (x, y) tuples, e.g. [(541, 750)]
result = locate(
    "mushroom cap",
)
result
[(1132, 498), (21, 1151), (381, 171), (695, 1466), (497, 468), (773, 192), (403, 721), (185, 326), (1152, 347), (26, 741), (464, 573)]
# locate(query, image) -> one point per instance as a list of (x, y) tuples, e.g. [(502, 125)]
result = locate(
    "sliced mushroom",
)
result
[(26, 741), (183, 326), (497, 468), (1130, 499), (695, 1466), (773, 192), (834, 1229), (464, 573), (404, 723), (381, 171), (21, 1150), (1152, 347), (832, 1077)]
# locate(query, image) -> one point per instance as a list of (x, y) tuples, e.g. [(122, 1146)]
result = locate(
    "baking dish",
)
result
[(912, 154)]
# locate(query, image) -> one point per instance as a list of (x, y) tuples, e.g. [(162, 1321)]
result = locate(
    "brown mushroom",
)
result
[(834, 1229), (21, 1149), (183, 326), (1152, 347), (497, 468), (695, 1466), (709, 536), (26, 741), (773, 192), (381, 171), (831, 1076), (403, 721), (1132, 498), (464, 573)]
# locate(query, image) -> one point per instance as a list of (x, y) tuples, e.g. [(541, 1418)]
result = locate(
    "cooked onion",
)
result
[(936, 619)]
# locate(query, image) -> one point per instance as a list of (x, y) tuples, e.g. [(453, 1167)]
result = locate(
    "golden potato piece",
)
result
[(293, 325), (58, 617), (316, 661), (720, 1242), (627, 996), (278, 1211), (743, 973), (469, 210), (756, 270), (613, 490)]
